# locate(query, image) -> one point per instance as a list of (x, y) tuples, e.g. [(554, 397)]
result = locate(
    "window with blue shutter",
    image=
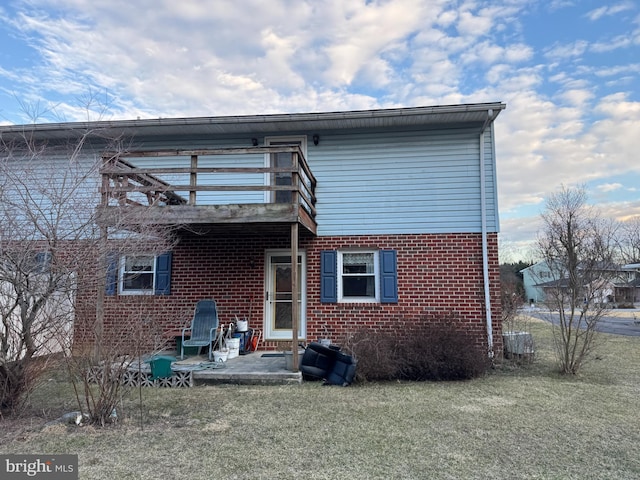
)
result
[(388, 276), (138, 274), (359, 276), (328, 276)]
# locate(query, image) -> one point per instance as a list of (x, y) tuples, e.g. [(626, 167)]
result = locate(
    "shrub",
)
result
[(435, 350), (378, 354), (442, 352), (17, 379)]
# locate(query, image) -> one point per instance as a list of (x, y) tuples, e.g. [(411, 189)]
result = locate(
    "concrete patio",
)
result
[(255, 368)]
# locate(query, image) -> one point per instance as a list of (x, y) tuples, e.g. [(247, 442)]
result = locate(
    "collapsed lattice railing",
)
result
[(141, 376)]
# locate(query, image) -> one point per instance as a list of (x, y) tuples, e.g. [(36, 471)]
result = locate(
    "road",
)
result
[(619, 322)]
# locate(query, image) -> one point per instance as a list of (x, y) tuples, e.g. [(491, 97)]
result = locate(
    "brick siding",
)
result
[(438, 275)]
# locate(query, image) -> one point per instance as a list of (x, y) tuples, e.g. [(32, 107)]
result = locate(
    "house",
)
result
[(608, 284), (627, 288), (533, 277), (391, 214)]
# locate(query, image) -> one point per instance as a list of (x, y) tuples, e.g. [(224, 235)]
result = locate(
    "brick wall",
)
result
[(437, 275)]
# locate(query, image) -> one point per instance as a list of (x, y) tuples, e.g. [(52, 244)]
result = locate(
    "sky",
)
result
[(568, 71)]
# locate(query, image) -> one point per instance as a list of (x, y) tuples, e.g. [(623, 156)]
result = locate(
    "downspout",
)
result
[(485, 250)]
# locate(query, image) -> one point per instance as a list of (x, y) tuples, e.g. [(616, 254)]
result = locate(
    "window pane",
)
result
[(139, 264), (138, 273), (284, 159), (357, 263), (139, 281), (283, 313), (358, 286)]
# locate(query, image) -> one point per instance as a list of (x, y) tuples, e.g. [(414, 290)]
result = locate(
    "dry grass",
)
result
[(517, 422)]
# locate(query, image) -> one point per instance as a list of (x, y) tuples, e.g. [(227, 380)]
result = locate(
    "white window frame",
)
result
[(122, 272), (376, 277)]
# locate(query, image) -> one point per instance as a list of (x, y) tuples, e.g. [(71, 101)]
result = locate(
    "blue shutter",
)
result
[(388, 276), (329, 276), (42, 262), (111, 285), (163, 274)]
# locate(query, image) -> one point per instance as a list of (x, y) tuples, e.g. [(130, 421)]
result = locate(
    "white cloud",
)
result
[(609, 187), (489, 53), (618, 70), (565, 51), (620, 211), (559, 4), (577, 97), (598, 13), (357, 34), (621, 41), (520, 241), (567, 121), (473, 25)]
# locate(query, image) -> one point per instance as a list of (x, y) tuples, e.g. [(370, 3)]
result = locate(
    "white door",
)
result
[(278, 304)]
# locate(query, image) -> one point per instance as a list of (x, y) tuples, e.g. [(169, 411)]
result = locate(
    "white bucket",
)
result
[(242, 325), (234, 347), (220, 356)]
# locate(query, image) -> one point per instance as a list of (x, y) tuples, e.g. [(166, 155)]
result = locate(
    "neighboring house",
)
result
[(611, 284), (627, 289), (392, 215), (533, 278)]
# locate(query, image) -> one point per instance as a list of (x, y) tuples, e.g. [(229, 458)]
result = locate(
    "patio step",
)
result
[(251, 369), (212, 377)]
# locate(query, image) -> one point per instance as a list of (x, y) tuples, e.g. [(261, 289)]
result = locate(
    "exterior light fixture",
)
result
[(316, 139)]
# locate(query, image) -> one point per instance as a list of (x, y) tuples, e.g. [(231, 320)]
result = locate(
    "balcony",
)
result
[(208, 187)]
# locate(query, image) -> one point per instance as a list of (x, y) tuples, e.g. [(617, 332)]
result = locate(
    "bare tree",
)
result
[(578, 247), (37, 275), (511, 296), (53, 253), (630, 240)]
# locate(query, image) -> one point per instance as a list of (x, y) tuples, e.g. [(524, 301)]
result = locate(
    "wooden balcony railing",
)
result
[(209, 178)]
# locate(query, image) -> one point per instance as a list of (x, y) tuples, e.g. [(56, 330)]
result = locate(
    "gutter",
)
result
[(252, 124), (485, 252)]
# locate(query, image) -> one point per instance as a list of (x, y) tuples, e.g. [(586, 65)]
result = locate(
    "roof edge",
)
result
[(389, 113)]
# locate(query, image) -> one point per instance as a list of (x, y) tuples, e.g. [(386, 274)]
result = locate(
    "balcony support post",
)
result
[(295, 305)]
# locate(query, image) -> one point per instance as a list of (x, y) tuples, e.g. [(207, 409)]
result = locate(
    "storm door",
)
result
[(278, 304)]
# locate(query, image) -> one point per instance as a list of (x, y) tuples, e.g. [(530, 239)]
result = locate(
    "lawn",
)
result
[(516, 422)]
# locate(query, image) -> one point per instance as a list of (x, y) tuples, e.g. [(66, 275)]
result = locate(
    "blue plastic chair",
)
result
[(204, 327)]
